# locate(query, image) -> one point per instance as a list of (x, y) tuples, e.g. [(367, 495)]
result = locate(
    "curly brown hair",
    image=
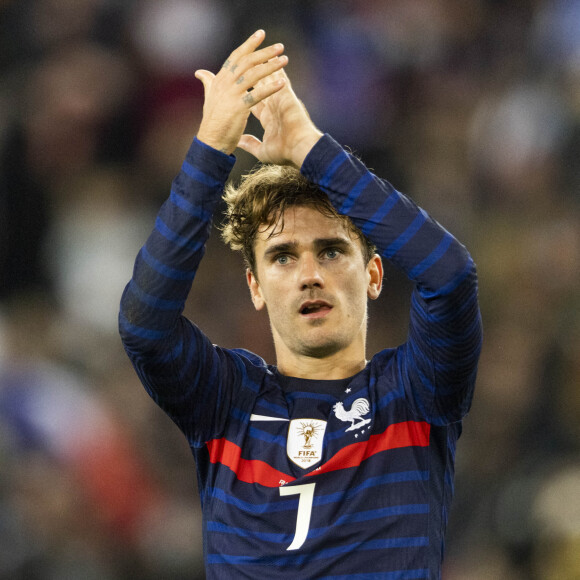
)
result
[(260, 201)]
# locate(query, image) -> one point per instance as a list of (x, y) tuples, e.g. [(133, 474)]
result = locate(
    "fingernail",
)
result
[(258, 32)]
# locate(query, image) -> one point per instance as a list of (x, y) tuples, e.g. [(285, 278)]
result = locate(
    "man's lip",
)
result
[(323, 308)]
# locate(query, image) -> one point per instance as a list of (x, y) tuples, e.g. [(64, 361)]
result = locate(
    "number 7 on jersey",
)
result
[(306, 493)]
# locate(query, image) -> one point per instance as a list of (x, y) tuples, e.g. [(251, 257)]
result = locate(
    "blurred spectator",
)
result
[(62, 110), (99, 223), (175, 37)]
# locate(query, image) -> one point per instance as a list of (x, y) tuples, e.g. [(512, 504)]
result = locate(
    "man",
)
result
[(326, 465)]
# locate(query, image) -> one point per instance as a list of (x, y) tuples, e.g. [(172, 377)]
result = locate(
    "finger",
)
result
[(275, 75), (249, 46), (262, 92), (250, 144), (261, 56), (241, 68), (253, 76)]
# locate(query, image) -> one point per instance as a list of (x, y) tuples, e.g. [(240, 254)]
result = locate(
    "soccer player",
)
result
[(324, 465)]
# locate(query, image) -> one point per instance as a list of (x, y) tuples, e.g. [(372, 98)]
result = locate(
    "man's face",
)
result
[(312, 278)]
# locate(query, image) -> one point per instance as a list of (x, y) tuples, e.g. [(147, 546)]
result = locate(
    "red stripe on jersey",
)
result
[(406, 434), (248, 470)]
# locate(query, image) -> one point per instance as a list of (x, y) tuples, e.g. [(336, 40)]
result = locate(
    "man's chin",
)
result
[(316, 340), (321, 348)]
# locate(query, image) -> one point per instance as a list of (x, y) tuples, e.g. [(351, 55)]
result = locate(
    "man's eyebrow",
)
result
[(318, 243), (280, 248), (326, 242)]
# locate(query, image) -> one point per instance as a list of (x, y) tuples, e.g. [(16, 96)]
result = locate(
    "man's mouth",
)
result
[(315, 309)]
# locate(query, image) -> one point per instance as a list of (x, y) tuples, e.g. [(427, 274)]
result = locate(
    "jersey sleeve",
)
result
[(437, 364), (184, 373)]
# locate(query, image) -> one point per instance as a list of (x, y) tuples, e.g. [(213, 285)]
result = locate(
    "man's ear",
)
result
[(255, 290), (375, 270)]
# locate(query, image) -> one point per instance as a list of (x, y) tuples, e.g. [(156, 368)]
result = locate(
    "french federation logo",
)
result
[(304, 444), (359, 408)]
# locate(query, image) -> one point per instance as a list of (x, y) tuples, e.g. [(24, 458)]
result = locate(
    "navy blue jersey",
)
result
[(301, 478)]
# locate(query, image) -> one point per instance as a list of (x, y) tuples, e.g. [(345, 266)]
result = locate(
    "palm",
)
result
[(274, 116), (286, 126)]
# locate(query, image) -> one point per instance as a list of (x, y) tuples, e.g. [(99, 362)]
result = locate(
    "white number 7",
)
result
[(306, 493)]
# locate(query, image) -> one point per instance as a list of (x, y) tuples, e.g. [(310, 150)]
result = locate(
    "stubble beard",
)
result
[(323, 346)]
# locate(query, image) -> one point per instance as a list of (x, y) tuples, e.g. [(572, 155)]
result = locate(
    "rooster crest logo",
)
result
[(359, 408)]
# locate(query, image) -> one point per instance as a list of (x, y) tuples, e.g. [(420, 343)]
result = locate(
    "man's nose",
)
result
[(310, 273)]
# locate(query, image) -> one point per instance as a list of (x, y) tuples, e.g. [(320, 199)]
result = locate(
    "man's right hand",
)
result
[(242, 82)]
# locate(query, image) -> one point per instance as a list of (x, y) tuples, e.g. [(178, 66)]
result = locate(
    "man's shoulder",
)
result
[(384, 357), (250, 358)]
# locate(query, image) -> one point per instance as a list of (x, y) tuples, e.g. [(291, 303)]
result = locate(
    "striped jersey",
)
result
[(300, 478)]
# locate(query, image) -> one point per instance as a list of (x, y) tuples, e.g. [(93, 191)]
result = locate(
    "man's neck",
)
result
[(329, 368)]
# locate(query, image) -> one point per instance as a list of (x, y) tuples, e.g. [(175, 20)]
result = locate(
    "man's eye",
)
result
[(332, 253), (282, 259)]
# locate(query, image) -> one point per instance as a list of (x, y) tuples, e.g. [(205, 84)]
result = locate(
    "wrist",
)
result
[(214, 143), (304, 145)]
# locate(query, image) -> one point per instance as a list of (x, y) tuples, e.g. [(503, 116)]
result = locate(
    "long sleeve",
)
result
[(438, 363), (171, 356)]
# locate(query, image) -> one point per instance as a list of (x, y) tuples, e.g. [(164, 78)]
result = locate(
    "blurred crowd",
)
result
[(472, 107)]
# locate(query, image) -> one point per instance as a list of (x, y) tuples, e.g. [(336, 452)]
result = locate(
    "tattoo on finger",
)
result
[(227, 64), (240, 80), (249, 99)]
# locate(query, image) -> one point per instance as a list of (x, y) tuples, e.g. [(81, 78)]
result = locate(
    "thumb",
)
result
[(205, 76), (250, 144)]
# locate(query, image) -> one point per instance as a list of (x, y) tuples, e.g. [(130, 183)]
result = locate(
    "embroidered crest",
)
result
[(304, 444), (359, 408)]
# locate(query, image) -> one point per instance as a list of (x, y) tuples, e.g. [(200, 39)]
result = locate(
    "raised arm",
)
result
[(171, 356), (438, 363)]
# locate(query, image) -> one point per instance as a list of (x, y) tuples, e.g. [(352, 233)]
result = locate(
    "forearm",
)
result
[(403, 233)]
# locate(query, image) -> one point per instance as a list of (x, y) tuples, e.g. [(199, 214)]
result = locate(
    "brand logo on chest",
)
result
[(304, 443)]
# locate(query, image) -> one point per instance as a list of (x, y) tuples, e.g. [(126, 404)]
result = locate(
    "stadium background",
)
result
[(472, 107)]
